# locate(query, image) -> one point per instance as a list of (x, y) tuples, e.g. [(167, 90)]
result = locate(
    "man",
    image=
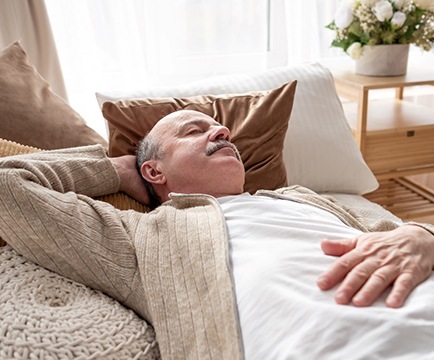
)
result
[(171, 266)]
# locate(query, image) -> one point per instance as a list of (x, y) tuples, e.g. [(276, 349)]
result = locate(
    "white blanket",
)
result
[(284, 315)]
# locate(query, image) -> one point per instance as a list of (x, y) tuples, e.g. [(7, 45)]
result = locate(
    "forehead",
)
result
[(175, 123)]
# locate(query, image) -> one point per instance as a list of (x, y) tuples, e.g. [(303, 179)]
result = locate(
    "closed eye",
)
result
[(194, 127), (194, 131)]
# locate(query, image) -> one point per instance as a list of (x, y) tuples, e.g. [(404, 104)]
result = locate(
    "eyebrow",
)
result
[(199, 122)]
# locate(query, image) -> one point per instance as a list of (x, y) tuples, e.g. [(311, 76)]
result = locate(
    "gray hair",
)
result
[(149, 149)]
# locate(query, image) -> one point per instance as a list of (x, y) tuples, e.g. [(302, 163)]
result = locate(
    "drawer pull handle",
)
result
[(410, 133)]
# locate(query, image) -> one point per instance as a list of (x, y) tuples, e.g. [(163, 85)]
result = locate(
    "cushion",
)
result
[(258, 122), (30, 113), (46, 316), (119, 200), (319, 149)]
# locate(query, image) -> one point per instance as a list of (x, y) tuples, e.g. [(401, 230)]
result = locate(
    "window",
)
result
[(136, 44)]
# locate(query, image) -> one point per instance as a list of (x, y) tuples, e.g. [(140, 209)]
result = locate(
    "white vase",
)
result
[(383, 60)]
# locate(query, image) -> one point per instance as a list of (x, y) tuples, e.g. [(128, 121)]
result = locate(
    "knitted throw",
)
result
[(46, 316)]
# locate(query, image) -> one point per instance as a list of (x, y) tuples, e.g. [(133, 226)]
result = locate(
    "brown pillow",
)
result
[(258, 122), (119, 200), (30, 113)]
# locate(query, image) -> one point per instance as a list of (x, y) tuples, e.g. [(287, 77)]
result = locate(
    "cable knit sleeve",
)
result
[(47, 214)]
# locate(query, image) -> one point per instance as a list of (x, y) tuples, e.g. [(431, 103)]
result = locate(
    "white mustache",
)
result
[(221, 144)]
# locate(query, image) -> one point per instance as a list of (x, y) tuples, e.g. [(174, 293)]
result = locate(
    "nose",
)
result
[(220, 132)]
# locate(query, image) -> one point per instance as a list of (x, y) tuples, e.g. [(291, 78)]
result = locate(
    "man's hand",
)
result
[(131, 182), (371, 262)]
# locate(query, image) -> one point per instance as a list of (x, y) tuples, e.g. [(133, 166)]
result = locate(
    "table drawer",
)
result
[(399, 149)]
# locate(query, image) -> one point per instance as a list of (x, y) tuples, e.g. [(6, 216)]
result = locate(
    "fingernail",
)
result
[(322, 282), (359, 300), (341, 298), (393, 302)]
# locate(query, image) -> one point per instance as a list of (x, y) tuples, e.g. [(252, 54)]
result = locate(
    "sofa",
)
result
[(290, 128)]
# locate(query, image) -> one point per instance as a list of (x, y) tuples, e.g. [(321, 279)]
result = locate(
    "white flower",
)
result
[(355, 50), (383, 10), (377, 22), (343, 16), (398, 19), (425, 4), (369, 3)]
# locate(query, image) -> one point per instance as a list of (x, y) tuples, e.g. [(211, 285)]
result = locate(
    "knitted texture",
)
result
[(46, 316), (119, 200)]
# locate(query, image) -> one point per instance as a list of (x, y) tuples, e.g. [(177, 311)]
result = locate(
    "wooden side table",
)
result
[(395, 136)]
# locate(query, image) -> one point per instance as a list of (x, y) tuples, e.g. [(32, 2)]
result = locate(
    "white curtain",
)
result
[(131, 44), (27, 21), (308, 39), (135, 44)]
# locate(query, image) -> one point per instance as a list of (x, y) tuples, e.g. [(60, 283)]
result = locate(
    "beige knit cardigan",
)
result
[(170, 265)]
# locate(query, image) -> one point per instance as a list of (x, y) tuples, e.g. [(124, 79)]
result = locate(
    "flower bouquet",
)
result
[(383, 22)]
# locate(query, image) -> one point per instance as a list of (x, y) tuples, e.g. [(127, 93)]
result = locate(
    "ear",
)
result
[(151, 172)]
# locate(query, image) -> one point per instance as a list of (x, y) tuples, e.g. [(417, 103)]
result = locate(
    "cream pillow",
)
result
[(319, 150)]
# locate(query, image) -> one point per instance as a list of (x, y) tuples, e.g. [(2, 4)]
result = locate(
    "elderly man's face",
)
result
[(198, 156)]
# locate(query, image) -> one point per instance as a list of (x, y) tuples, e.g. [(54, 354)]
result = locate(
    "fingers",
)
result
[(370, 263), (363, 283), (338, 247), (131, 182), (363, 286), (337, 272), (402, 288), (366, 282), (353, 282)]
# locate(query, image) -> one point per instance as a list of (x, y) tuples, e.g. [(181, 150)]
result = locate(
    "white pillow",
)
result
[(320, 152)]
